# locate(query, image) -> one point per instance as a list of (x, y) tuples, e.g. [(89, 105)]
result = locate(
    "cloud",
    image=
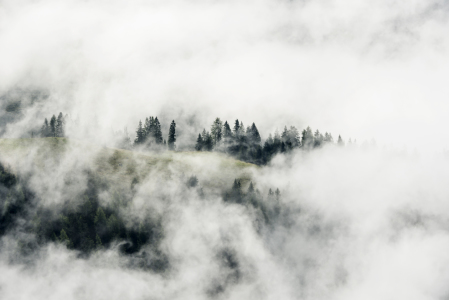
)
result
[(357, 222)]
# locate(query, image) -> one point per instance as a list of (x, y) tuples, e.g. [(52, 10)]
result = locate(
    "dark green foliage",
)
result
[(53, 126), (172, 136), (83, 224), (267, 210), (149, 134), (192, 181), (216, 131), (56, 127), (59, 128), (199, 143), (245, 144)]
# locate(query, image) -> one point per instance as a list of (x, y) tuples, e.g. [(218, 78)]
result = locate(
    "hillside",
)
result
[(118, 166)]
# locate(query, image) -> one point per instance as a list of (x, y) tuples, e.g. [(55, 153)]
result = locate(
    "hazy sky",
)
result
[(365, 223), (362, 69)]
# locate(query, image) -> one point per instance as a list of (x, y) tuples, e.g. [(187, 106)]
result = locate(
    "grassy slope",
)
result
[(122, 166)]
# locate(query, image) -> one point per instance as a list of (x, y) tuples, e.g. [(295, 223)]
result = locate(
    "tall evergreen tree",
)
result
[(53, 126), (140, 134), (236, 128), (340, 141), (307, 138), (255, 136), (227, 132), (216, 131), (158, 132), (172, 136), (59, 128), (45, 129), (199, 143), (208, 143)]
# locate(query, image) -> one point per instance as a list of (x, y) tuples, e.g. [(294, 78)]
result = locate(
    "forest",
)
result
[(240, 142)]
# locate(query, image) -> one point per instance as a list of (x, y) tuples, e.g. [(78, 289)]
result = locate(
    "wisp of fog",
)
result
[(95, 206)]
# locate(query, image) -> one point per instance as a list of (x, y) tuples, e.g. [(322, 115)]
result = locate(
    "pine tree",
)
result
[(293, 137), (100, 217), (45, 129), (216, 131), (255, 136), (208, 143), (251, 188), (340, 141), (172, 136), (158, 132), (318, 139), (236, 128), (284, 134), (227, 132), (140, 134), (53, 126), (199, 143), (278, 194), (60, 126), (98, 242), (64, 238), (307, 138)]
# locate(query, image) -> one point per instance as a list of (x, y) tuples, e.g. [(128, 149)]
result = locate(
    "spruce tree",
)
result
[(208, 143), (60, 125), (199, 143), (45, 129), (53, 126), (140, 134), (236, 128), (216, 131), (227, 132), (307, 138), (255, 136), (251, 188), (158, 132), (172, 136), (340, 141)]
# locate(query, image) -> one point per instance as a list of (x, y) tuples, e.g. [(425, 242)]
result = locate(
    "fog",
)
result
[(366, 221)]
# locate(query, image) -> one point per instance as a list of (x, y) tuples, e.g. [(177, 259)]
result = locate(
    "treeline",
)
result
[(268, 210), (245, 143), (149, 134), (54, 128)]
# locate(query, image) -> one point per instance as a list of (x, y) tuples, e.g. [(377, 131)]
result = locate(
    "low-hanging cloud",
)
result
[(357, 221)]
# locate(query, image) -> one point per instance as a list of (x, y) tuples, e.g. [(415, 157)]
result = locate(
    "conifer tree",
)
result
[(255, 136), (278, 194), (216, 131), (284, 134), (158, 132), (60, 126), (251, 188), (227, 132), (236, 128), (340, 141), (208, 143), (140, 135), (293, 137), (45, 129), (172, 136), (64, 238), (53, 126), (307, 138), (98, 242), (199, 143), (318, 139)]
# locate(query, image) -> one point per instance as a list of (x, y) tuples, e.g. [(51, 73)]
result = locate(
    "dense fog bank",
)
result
[(84, 217)]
